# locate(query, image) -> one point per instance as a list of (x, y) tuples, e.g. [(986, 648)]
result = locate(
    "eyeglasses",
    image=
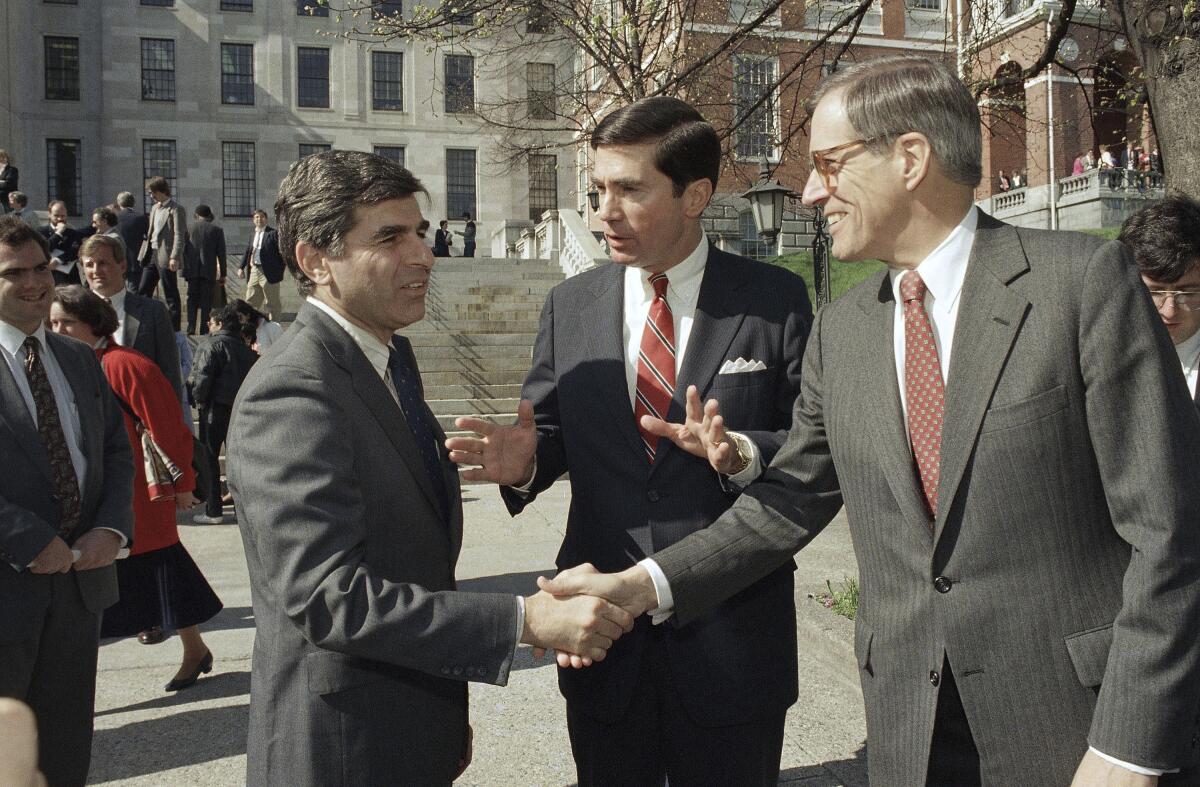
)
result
[(827, 167), (1188, 300)]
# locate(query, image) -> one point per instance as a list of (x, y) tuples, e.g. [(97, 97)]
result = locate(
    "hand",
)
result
[(1095, 771), (185, 500), (241, 273), (99, 549), (55, 558), (501, 454), (19, 755), (701, 434), (632, 589), (61, 228), (172, 264), (584, 625), (465, 762)]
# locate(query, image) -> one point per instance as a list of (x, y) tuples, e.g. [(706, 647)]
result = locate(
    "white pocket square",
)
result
[(741, 365)]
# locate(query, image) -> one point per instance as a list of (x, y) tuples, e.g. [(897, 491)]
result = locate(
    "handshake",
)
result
[(581, 612)]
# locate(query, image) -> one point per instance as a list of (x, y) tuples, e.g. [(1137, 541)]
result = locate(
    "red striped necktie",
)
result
[(656, 364)]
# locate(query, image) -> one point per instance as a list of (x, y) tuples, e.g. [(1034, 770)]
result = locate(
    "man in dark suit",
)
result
[(704, 705), (9, 181), (65, 509), (144, 323), (204, 267), (1005, 421), (163, 251), (133, 226), (262, 268), (351, 516), (63, 241), (1165, 241)]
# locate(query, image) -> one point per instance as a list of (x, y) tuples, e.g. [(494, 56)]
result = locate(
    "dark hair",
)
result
[(87, 307), (19, 198), (258, 212), (15, 233), (248, 332), (247, 312), (95, 242), (125, 199), (107, 214), (443, 223), (1165, 238), (686, 145), (227, 316), (320, 194), (204, 212), (467, 215), (159, 184)]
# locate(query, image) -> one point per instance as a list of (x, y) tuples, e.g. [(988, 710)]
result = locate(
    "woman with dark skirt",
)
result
[(161, 587)]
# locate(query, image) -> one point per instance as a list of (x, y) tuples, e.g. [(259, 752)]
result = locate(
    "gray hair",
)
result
[(319, 195), (888, 96), (125, 199)]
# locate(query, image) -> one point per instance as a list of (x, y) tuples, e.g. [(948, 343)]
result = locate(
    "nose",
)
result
[(1168, 308), (608, 212), (815, 192), (425, 258)]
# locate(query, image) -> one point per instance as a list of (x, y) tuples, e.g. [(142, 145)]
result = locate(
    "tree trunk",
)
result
[(1164, 37)]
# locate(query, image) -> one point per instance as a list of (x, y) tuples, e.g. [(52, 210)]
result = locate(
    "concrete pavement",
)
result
[(147, 737)]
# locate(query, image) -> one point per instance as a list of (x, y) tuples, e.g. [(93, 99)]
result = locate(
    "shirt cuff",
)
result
[(124, 539), (1130, 766), (662, 589), (751, 471), (523, 489)]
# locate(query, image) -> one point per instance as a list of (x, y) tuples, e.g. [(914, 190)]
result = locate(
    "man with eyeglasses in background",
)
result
[(1165, 241)]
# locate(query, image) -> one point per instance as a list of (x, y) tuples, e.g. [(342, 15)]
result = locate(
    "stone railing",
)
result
[(1009, 200), (1098, 184), (561, 236)]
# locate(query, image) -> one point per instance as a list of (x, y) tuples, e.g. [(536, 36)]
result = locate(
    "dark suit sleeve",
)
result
[(166, 351), (220, 250), (115, 509), (541, 388), (23, 534), (305, 515), (774, 517), (1143, 426)]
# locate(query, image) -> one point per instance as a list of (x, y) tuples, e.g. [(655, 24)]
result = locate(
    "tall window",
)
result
[(539, 81), (752, 244), (158, 69), (160, 3), (387, 72), (237, 177), (62, 68), (383, 9), (311, 8), (64, 173), (460, 83), (925, 5), (312, 83), (394, 152), (237, 73), (237, 5), (538, 19), (752, 79), (309, 148), (460, 183), (543, 185), (159, 160)]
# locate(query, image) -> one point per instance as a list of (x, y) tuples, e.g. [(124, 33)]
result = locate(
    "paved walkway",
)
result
[(147, 737)]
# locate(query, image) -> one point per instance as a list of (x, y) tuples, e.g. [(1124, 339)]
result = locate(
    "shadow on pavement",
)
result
[(155, 745), (230, 618), (522, 583), (835, 773), (215, 686)]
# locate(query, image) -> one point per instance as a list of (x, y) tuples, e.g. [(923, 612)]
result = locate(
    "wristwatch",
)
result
[(743, 458)]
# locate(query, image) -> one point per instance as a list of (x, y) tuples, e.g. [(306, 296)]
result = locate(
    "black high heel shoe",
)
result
[(205, 667)]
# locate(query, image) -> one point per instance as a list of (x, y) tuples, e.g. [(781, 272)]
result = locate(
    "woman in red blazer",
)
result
[(161, 587)]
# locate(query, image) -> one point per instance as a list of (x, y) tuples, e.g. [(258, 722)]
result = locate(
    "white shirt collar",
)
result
[(683, 279), (117, 300), (1189, 352), (944, 270), (12, 337), (376, 351)]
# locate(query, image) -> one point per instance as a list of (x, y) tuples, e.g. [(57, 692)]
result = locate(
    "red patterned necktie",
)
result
[(924, 391), (656, 363), (50, 428)]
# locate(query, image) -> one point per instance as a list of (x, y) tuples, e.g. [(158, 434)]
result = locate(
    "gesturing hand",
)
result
[(701, 434), (99, 549), (500, 454), (578, 624)]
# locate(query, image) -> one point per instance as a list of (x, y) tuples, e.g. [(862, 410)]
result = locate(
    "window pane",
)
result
[(158, 160), (383, 9), (237, 177), (752, 245), (394, 152), (312, 66), (539, 80), (160, 3), (158, 69), (460, 183), (926, 5), (543, 185), (62, 68), (752, 79), (387, 71), (538, 19), (309, 148), (64, 173), (237, 73), (311, 8), (460, 83), (237, 5)]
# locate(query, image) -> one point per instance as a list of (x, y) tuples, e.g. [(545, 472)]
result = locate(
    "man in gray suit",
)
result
[(66, 497), (162, 252), (351, 516), (1004, 419)]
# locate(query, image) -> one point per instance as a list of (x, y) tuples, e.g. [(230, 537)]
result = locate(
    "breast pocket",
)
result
[(743, 379), (1026, 411)]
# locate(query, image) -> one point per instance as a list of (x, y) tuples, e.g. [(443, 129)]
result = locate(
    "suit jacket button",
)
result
[(445, 670), (934, 678), (652, 496), (458, 670), (942, 585)]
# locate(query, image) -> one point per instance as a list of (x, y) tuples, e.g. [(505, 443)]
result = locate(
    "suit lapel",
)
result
[(989, 318), (129, 329), (14, 414)]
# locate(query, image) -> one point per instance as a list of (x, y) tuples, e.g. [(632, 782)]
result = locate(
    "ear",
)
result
[(696, 197), (313, 264), (916, 158)]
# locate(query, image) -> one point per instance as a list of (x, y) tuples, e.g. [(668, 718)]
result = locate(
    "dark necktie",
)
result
[(924, 391), (420, 422), (66, 485), (656, 364)]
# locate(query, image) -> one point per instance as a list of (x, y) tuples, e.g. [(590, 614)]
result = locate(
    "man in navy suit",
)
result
[(703, 705), (133, 226), (262, 267)]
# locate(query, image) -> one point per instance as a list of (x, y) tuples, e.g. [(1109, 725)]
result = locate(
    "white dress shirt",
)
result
[(1189, 358), (378, 354)]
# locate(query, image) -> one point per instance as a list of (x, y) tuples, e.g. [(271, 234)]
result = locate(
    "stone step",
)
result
[(470, 377), (482, 366), (446, 421), (473, 326), (484, 390), (474, 406), (459, 313), (470, 340), (473, 353)]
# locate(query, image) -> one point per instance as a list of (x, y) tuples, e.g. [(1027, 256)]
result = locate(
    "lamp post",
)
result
[(767, 199)]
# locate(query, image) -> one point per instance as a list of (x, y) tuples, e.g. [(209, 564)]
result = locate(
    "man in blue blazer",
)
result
[(262, 267), (704, 705)]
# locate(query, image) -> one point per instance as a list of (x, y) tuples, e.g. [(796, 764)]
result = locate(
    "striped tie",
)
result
[(656, 364)]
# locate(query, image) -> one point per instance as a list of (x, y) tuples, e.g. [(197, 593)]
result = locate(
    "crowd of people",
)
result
[(1009, 417), (1134, 167)]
